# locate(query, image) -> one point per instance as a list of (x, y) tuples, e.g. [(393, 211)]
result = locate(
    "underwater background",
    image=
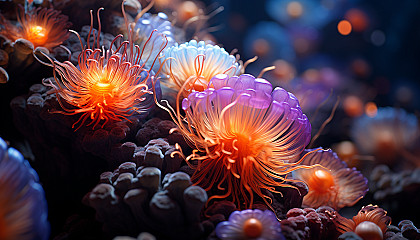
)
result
[(172, 119)]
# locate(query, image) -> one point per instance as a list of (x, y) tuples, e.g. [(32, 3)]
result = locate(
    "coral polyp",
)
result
[(245, 135), (196, 63), (250, 224), (333, 184), (42, 27), (107, 85), (370, 223)]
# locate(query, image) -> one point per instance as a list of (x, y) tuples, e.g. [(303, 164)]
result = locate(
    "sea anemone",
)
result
[(144, 28), (107, 84), (42, 27), (245, 135), (370, 223), (196, 63), (387, 135), (250, 224), (333, 184), (23, 211)]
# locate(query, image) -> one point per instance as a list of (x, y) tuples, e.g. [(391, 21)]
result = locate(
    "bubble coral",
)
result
[(42, 27), (333, 184), (107, 84), (250, 224), (245, 134), (23, 212), (370, 223), (196, 63), (386, 135), (144, 28)]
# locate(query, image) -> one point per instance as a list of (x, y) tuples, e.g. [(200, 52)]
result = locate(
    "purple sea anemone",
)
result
[(245, 135), (23, 211), (334, 185), (250, 224)]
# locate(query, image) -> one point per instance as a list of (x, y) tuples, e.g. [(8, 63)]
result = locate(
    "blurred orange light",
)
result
[(371, 109), (353, 106), (261, 47), (358, 19), (37, 35), (294, 9), (344, 27)]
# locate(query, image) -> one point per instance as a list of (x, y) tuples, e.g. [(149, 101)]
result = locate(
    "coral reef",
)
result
[(398, 192), (133, 199)]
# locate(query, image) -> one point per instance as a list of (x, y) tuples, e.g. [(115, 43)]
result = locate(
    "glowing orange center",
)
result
[(187, 10), (344, 27), (253, 228), (369, 231), (321, 181), (37, 35), (241, 145), (197, 83), (101, 91), (294, 9)]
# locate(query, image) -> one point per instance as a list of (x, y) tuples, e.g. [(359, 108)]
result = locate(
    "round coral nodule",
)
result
[(253, 228), (369, 231), (321, 181)]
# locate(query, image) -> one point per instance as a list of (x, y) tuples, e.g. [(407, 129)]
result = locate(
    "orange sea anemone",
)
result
[(245, 136), (107, 84), (196, 63), (370, 223), (333, 184), (42, 27)]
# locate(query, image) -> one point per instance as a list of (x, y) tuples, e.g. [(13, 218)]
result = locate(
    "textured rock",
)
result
[(129, 201)]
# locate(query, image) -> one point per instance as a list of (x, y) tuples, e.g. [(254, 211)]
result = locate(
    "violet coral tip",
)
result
[(333, 184), (23, 212)]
